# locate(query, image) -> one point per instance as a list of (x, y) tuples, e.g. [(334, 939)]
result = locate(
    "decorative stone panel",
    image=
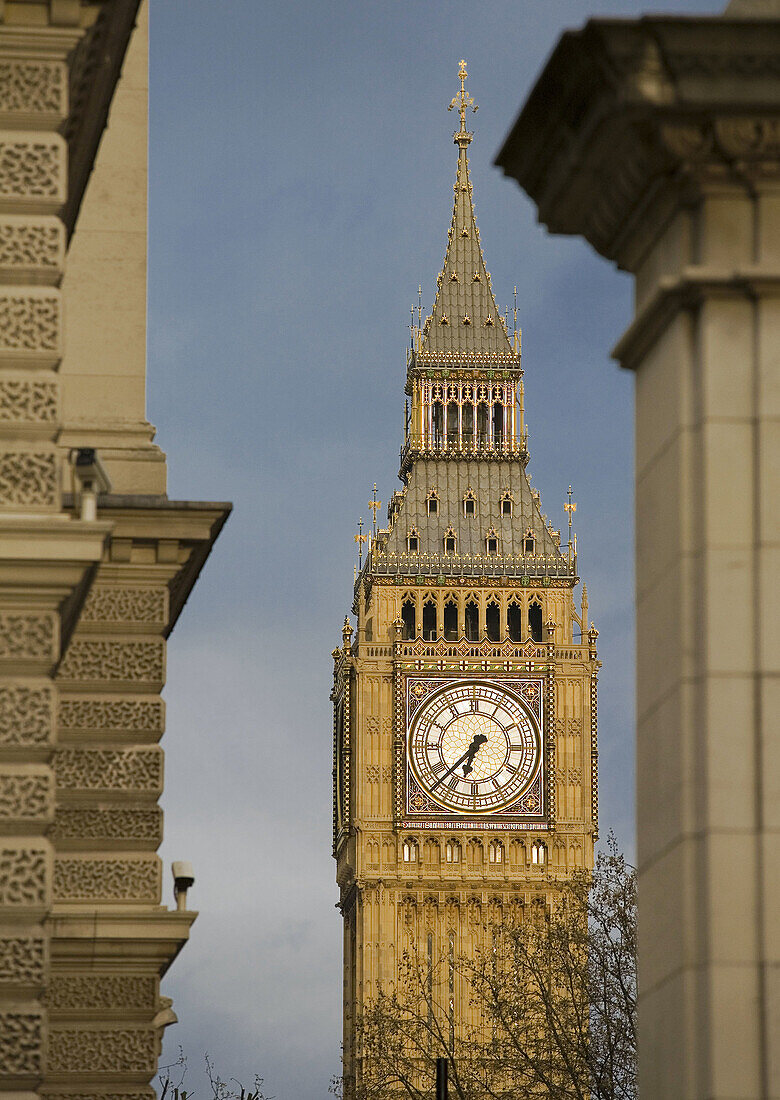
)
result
[(22, 959), (26, 715), (90, 878), (24, 876), (125, 605), (33, 87), (145, 1094), (110, 769), (33, 169), (30, 325), (129, 826), (26, 794), (117, 662), (104, 1050), (28, 401), (100, 992), (31, 245), (28, 637), (28, 479), (21, 1044), (114, 715)]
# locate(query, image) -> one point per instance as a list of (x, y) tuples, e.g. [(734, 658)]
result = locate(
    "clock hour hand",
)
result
[(471, 752), (466, 759)]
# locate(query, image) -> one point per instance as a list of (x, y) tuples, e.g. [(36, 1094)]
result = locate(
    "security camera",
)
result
[(92, 479), (183, 878)]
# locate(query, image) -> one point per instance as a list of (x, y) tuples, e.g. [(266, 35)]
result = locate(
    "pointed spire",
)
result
[(465, 318)]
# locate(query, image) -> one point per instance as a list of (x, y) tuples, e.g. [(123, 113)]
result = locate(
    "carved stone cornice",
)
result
[(629, 120)]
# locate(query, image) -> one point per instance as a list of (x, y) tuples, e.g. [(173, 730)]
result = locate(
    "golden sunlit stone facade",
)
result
[(96, 564), (465, 703)]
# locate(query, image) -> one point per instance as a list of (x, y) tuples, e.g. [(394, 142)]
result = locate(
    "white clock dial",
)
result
[(474, 747)]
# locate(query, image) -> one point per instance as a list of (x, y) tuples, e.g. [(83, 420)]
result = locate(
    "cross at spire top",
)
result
[(463, 101)]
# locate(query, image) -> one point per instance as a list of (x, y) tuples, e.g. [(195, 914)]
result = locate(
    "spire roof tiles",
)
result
[(465, 319)]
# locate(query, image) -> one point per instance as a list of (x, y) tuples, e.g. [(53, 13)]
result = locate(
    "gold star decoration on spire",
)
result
[(463, 101)]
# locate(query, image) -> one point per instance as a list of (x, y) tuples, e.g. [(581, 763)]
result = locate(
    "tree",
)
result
[(172, 1079), (553, 998)]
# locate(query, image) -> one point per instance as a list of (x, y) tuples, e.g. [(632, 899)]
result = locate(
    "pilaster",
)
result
[(679, 122)]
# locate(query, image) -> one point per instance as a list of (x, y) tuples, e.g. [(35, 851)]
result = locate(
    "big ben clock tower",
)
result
[(465, 700)]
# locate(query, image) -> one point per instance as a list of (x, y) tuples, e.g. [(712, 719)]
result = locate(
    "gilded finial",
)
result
[(463, 101)]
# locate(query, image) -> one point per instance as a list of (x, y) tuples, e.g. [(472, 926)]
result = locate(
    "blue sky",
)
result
[(301, 171)]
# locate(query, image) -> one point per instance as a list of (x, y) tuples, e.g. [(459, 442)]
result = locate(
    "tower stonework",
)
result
[(465, 761)]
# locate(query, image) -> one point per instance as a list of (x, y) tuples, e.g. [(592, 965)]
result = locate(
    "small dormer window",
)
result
[(454, 277), (450, 541), (506, 504), (491, 542), (477, 277), (469, 503), (529, 543), (433, 503), (413, 541)]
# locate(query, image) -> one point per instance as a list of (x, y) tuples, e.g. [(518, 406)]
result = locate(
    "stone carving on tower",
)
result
[(465, 704)]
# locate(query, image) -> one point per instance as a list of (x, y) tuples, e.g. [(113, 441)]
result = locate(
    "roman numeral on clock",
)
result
[(439, 768)]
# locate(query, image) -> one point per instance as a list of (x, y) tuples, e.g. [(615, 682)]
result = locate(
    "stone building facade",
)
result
[(96, 564), (465, 748)]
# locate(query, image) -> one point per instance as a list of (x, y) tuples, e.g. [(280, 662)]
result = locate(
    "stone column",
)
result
[(45, 557), (659, 141)]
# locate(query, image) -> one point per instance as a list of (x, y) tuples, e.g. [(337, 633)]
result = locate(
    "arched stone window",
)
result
[(410, 850), (452, 851), (409, 619), (451, 621), (496, 852), (493, 622), (535, 621), (538, 853), (514, 622), (471, 621), (430, 628)]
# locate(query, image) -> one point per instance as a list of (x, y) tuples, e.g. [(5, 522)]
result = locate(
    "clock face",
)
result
[(474, 747)]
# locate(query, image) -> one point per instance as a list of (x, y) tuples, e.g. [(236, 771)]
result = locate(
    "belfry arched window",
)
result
[(409, 619), (452, 851), (429, 621), (451, 621), (437, 422), (493, 622), (498, 425), (471, 621), (514, 623), (535, 621)]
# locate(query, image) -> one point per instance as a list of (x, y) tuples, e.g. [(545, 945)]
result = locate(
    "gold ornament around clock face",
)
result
[(474, 747)]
